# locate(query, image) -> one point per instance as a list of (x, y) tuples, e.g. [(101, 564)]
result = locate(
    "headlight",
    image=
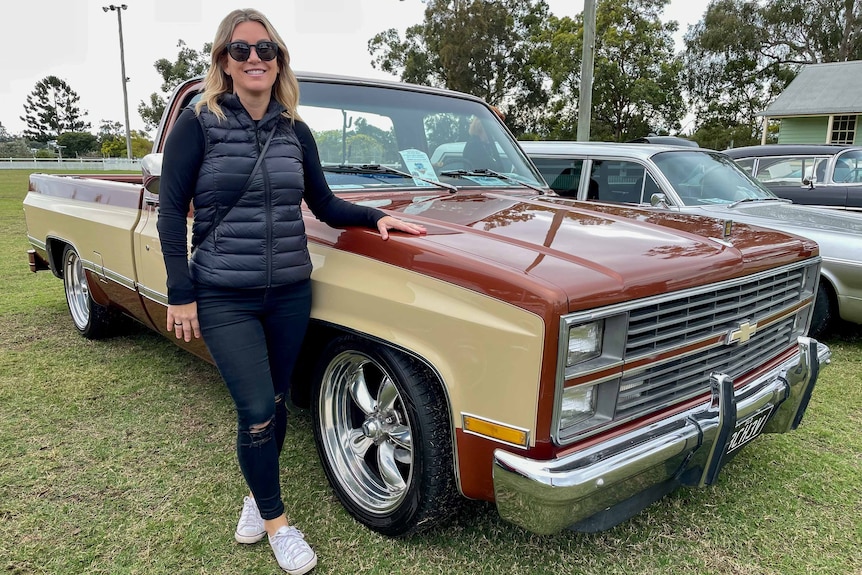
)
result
[(585, 342), (579, 403)]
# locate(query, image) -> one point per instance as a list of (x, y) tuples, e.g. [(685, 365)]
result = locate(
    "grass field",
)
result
[(117, 457)]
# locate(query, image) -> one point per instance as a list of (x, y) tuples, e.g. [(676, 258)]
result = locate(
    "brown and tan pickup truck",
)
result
[(570, 363)]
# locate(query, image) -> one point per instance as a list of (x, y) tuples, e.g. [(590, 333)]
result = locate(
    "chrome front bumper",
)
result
[(686, 449)]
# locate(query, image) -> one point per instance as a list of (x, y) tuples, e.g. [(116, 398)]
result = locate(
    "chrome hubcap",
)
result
[(77, 290), (366, 433)]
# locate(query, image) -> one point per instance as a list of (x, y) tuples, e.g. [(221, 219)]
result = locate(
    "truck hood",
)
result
[(593, 251)]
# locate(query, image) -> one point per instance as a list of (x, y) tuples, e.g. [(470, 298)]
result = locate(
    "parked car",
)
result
[(822, 175), (666, 140), (707, 182), (541, 355)]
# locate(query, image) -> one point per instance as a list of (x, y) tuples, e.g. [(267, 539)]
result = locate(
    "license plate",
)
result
[(748, 429)]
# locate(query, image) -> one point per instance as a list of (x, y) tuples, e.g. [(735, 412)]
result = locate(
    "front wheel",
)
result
[(381, 425), (91, 319)]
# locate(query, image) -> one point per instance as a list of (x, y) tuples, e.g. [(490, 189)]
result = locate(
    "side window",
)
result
[(650, 188), (617, 181), (746, 164), (795, 170), (562, 175)]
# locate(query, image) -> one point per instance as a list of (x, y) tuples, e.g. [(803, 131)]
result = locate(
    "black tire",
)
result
[(824, 311), (382, 430), (91, 319)]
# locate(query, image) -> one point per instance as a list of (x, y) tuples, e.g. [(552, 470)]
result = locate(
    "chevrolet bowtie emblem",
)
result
[(742, 333)]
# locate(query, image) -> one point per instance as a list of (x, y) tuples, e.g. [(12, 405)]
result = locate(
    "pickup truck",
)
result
[(571, 364)]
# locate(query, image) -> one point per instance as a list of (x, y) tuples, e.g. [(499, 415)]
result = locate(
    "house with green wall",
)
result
[(822, 105)]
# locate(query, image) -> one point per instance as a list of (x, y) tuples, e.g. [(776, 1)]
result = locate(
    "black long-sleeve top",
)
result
[(183, 155)]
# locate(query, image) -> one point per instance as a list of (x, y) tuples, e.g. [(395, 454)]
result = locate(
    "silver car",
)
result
[(710, 183)]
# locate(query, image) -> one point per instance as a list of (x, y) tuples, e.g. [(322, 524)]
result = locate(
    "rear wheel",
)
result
[(824, 311), (381, 426), (91, 319)]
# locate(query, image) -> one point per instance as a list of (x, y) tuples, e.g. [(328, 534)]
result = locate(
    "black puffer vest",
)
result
[(261, 241)]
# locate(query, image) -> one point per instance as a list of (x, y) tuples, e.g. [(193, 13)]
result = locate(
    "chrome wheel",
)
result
[(383, 433), (366, 432), (77, 290), (91, 319)]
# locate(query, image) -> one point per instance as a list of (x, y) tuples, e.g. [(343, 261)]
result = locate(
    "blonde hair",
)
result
[(217, 82)]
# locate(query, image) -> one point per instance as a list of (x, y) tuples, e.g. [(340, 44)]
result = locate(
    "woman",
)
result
[(246, 288)]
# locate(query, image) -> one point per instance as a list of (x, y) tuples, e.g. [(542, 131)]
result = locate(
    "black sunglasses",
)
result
[(241, 51)]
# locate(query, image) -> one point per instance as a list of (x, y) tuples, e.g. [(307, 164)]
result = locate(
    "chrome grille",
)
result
[(683, 378), (672, 324)]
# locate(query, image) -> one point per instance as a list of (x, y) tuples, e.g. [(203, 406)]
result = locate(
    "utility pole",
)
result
[(119, 9), (585, 104)]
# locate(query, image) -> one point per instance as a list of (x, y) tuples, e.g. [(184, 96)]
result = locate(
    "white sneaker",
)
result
[(250, 528), (294, 555)]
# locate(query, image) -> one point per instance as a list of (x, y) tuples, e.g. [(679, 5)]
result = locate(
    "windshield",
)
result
[(421, 135), (702, 178)]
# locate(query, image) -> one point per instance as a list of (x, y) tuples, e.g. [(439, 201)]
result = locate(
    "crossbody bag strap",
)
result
[(224, 212)]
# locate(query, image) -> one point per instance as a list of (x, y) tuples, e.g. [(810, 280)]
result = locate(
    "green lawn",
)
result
[(118, 457)]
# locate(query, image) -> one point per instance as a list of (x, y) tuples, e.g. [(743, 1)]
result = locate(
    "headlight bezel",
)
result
[(599, 369)]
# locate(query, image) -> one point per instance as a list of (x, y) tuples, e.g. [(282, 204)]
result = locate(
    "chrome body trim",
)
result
[(36, 243), (107, 274), (688, 447), (152, 295)]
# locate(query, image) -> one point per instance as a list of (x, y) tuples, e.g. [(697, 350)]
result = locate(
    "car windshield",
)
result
[(373, 137), (702, 178)]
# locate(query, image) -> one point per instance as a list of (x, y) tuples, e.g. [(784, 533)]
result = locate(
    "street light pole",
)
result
[(119, 10)]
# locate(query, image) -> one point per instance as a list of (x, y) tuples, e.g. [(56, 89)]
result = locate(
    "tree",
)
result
[(141, 144), (51, 109), (14, 148), (112, 141), (743, 53), (189, 64), (76, 144), (474, 46), (4, 134), (637, 82)]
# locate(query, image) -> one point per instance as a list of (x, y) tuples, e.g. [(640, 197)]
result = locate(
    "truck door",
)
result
[(152, 277)]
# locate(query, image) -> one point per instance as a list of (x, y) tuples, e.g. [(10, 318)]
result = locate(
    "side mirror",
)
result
[(151, 166), (659, 200)]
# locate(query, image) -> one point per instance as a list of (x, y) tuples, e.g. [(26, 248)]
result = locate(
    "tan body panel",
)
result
[(101, 233), (488, 353)]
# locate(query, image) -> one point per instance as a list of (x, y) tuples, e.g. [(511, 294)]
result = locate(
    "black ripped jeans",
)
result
[(254, 336)]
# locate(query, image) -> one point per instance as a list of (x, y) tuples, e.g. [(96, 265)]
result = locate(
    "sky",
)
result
[(77, 41)]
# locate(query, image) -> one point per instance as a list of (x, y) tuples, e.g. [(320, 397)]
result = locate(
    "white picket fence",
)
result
[(71, 164)]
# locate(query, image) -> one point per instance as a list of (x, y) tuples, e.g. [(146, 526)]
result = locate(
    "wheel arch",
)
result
[(320, 333), (835, 283), (54, 248)]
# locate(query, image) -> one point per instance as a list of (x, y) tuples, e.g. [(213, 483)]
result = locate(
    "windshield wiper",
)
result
[(485, 172), (378, 169), (767, 199)]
